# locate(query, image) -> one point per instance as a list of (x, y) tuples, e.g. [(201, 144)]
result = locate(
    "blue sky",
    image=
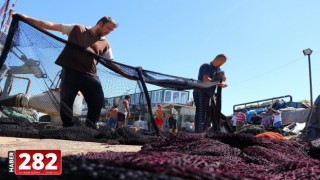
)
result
[(262, 39)]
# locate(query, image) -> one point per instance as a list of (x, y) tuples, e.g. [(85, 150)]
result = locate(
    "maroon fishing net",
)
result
[(194, 156)]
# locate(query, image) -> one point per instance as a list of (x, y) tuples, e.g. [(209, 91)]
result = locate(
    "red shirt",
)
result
[(241, 116)]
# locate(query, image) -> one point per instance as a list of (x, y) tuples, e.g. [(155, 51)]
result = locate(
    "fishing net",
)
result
[(195, 156), (28, 55), (30, 78)]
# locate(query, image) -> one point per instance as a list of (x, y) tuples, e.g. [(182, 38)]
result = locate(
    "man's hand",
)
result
[(222, 85), (219, 76), (224, 78), (15, 13)]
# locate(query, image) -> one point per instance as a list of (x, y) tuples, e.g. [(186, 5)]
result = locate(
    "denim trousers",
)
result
[(201, 101)]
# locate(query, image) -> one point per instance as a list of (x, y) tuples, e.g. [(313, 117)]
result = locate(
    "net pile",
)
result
[(23, 128), (194, 156)]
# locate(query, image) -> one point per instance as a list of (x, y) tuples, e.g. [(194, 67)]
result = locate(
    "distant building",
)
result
[(156, 96), (138, 104)]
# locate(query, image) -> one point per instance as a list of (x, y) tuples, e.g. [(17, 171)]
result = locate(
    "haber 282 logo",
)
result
[(35, 162)]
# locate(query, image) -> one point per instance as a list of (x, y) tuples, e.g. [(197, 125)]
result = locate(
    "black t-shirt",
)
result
[(256, 120)]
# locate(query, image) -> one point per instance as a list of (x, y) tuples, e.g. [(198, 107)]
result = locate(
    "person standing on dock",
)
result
[(79, 72), (207, 72)]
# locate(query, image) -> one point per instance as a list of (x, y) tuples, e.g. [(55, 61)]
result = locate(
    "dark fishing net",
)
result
[(315, 149), (31, 77), (14, 127), (17, 127), (252, 129)]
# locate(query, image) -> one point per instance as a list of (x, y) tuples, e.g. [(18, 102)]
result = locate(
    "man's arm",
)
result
[(171, 113), (206, 78), (245, 118), (42, 23), (251, 119), (274, 111), (126, 104), (108, 114)]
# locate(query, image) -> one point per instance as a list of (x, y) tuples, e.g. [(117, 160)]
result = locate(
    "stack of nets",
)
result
[(194, 156)]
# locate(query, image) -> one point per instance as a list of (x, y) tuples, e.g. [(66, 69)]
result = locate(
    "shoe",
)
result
[(90, 124)]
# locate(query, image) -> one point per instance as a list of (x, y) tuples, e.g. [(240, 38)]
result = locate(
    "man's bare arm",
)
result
[(41, 23)]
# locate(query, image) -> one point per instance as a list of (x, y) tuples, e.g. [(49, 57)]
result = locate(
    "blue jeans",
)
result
[(73, 81), (201, 101), (277, 124), (112, 122)]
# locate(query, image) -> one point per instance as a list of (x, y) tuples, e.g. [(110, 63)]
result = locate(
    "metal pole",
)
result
[(310, 78), (304, 131), (311, 99)]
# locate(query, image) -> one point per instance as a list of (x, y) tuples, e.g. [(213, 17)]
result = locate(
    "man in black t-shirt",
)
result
[(255, 120)]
